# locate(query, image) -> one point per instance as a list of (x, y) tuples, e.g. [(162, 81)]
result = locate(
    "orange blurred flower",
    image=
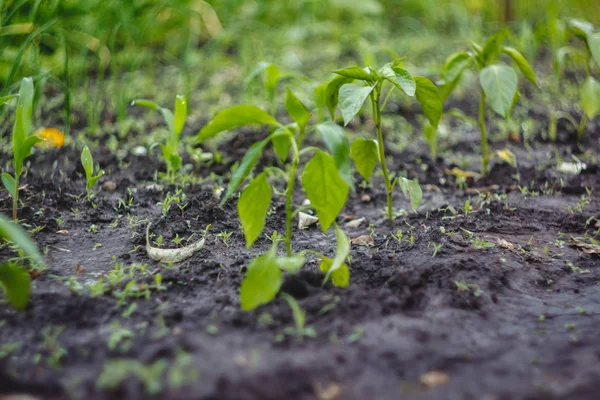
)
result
[(52, 137)]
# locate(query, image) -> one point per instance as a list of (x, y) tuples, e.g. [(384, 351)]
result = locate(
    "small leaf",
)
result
[(499, 83), (297, 110), (365, 154), (429, 99), (507, 156), (590, 97), (337, 142), (12, 232), (262, 281), (297, 312), (324, 187), (342, 251), (273, 76), (412, 190), (521, 63), (234, 117), (253, 206), (180, 113), (332, 93), (291, 264), (5, 99), (454, 66), (16, 283), (430, 133), (340, 277), (363, 74), (245, 167), (594, 45), (9, 183), (281, 144), (581, 29), (145, 103), (87, 162), (491, 48), (351, 98), (401, 78)]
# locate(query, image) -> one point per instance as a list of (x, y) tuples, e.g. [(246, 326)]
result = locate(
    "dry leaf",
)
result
[(363, 240), (306, 220), (355, 223), (331, 391), (171, 255), (63, 232), (433, 379), (365, 198), (459, 173), (484, 189), (505, 243), (584, 246)]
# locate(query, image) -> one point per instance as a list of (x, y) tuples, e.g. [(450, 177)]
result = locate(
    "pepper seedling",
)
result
[(498, 82), (589, 91), (22, 141), (326, 180), (175, 123), (88, 166), (350, 97)]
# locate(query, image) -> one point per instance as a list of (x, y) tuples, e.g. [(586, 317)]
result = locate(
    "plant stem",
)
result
[(15, 197), (482, 131), (581, 128), (289, 195), (377, 118)]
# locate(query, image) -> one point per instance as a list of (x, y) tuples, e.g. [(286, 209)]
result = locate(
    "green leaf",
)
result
[(262, 281), (5, 99), (412, 190), (400, 77), (337, 142), (428, 97), (594, 45), (145, 103), (233, 117), (590, 97), (9, 183), (180, 113), (16, 283), (253, 206), (297, 110), (166, 113), (291, 264), (455, 66), (581, 29), (363, 74), (341, 254), (491, 48), (332, 93), (499, 83), (24, 152), (281, 144), (324, 187), (12, 232), (430, 133), (365, 154), (521, 63), (297, 312), (273, 76), (340, 277), (87, 162), (245, 167), (352, 97), (258, 69)]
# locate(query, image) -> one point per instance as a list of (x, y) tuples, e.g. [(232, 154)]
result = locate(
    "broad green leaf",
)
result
[(428, 97), (22, 125), (12, 232), (340, 277), (454, 66), (365, 154), (401, 78), (332, 93), (342, 251), (337, 142), (291, 264), (499, 83), (297, 110), (325, 188), (412, 190), (352, 97), (16, 283), (491, 48), (363, 74), (261, 282), (87, 162), (281, 145), (245, 167), (233, 117), (521, 63), (253, 206), (9, 183), (594, 45), (590, 97), (180, 113)]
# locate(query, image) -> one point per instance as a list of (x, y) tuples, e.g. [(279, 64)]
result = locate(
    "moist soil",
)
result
[(489, 303)]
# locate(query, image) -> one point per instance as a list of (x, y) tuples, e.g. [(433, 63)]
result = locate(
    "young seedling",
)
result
[(175, 122), (350, 97), (326, 180), (589, 91), (88, 166), (498, 82), (22, 141)]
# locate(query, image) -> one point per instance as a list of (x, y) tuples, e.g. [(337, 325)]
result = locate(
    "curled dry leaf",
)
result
[(363, 240), (505, 243), (355, 223), (584, 246), (306, 220), (172, 255), (433, 379), (331, 391)]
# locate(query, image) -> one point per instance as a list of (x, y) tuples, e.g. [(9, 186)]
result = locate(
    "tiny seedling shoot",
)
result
[(350, 96), (22, 141), (88, 166), (175, 123), (498, 82), (326, 181)]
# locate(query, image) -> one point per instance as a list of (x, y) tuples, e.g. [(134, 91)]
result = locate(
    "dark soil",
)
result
[(507, 308)]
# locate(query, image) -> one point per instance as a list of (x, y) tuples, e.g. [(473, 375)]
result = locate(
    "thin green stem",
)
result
[(382, 108), (15, 197), (375, 97), (483, 132), (581, 128), (289, 195)]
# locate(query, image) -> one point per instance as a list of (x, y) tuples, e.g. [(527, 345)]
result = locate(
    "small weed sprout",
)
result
[(88, 166)]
